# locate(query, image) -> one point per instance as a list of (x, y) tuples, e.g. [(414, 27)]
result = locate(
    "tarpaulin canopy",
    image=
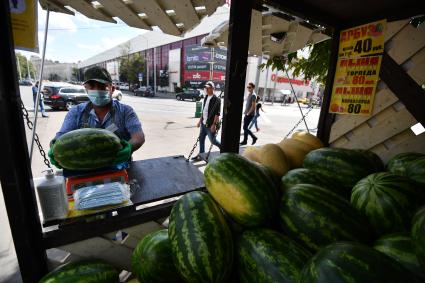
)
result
[(172, 17)]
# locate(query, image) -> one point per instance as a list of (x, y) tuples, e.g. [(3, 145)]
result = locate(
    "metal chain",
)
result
[(193, 149), (299, 122), (30, 125)]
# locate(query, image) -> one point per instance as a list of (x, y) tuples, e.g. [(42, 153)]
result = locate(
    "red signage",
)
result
[(196, 75), (286, 80), (219, 76)]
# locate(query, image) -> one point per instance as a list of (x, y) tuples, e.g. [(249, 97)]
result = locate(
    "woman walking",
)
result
[(257, 114)]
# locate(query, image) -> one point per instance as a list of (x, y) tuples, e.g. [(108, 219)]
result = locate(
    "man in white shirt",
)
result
[(209, 119)]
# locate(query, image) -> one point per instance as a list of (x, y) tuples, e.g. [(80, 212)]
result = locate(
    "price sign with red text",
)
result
[(362, 40), (355, 85)]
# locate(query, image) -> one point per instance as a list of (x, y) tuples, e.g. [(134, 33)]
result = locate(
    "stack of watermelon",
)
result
[(342, 217)]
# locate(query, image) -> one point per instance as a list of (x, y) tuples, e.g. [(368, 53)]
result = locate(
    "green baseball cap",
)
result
[(97, 74)]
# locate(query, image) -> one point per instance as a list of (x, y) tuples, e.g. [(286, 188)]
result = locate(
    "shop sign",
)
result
[(24, 24), (219, 76), (355, 85), (362, 40), (286, 80), (196, 76), (198, 66), (219, 67)]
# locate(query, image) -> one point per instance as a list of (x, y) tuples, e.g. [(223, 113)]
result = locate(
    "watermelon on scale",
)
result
[(348, 262), (152, 260), (317, 217), (86, 149), (388, 200), (400, 247), (201, 241), (243, 189), (266, 256), (83, 271)]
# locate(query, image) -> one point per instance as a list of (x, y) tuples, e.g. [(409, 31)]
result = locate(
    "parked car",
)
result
[(124, 86), (145, 91), (117, 94), (193, 94), (63, 95), (25, 82)]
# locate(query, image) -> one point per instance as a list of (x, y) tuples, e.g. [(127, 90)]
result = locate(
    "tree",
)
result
[(75, 76), (54, 77), (130, 67), (24, 64), (315, 66)]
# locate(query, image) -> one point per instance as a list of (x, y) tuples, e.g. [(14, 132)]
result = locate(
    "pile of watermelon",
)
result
[(341, 217)]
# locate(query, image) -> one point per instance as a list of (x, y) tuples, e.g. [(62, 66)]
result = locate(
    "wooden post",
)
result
[(237, 55), (15, 169), (326, 119)]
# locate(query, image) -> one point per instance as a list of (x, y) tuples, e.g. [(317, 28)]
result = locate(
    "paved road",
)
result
[(169, 126)]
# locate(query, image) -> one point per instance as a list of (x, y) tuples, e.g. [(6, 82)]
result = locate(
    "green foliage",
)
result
[(54, 77), (23, 68), (314, 67), (130, 65), (75, 74)]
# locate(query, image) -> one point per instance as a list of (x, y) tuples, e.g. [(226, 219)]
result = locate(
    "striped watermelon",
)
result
[(86, 149), (307, 176), (400, 247), (416, 170), (201, 241), (374, 159), (348, 262), (344, 166), (266, 256), (152, 260), (317, 217), (398, 163), (388, 200), (93, 270), (418, 235), (242, 189)]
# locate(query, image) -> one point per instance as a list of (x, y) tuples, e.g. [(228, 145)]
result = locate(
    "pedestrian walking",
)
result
[(209, 119), (258, 107), (249, 114), (41, 103)]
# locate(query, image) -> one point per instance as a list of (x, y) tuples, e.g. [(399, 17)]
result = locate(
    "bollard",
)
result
[(198, 111)]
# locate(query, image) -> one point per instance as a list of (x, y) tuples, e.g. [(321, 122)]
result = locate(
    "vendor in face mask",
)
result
[(103, 112)]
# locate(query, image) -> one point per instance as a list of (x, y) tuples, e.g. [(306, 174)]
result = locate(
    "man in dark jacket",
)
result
[(209, 119)]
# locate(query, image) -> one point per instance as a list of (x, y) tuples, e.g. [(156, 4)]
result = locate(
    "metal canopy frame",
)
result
[(15, 170)]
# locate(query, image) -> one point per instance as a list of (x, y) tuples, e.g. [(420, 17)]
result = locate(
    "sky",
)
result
[(75, 38)]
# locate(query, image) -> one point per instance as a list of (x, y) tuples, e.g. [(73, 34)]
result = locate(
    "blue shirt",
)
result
[(125, 120)]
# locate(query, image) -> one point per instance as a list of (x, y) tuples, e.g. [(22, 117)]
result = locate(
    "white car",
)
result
[(117, 94)]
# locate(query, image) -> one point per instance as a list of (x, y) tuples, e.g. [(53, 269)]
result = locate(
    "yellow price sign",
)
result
[(362, 40), (24, 24), (355, 85)]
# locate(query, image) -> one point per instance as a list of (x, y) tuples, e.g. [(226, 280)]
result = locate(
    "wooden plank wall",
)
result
[(387, 131)]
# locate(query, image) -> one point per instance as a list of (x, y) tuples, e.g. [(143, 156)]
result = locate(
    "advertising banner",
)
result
[(362, 40), (23, 15), (197, 76), (198, 66), (355, 85)]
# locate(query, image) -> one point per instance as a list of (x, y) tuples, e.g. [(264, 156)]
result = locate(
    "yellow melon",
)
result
[(295, 150), (252, 153), (272, 157), (309, 139)]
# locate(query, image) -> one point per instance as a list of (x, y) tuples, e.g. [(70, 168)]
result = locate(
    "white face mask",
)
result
[(99, 97)]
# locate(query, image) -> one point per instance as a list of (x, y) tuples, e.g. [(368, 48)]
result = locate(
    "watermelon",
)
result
[(266, 256), (307, 176), (93, 270), (347, 262), (242, 189), (374, 159), (152, 260), (201, 242), (398, 163), (415, 170), (344, 166), (86, 149), (400, 248), (317, 217), (418, 235), (388, 201)]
